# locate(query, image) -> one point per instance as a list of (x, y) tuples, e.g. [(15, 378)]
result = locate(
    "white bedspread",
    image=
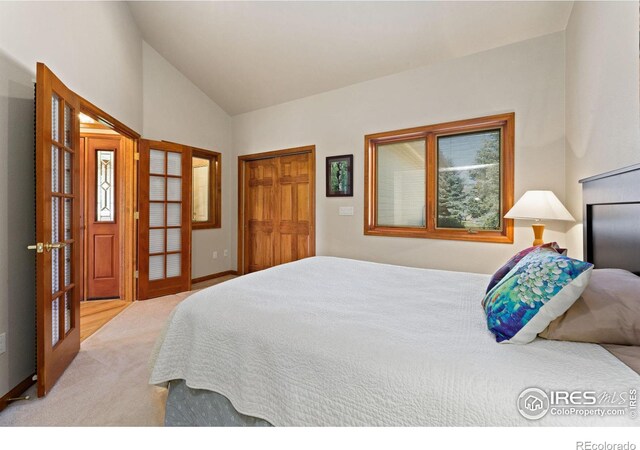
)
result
[(330, 341)]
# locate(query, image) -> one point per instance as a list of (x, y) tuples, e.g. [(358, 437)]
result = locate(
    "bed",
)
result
[(336, 342)]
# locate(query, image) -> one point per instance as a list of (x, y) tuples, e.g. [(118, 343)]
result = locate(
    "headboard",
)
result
[(612, 219)]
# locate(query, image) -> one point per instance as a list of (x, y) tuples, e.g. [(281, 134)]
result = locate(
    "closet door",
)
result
[(164, 228), (278, 208), (262, 242), (294, 208)]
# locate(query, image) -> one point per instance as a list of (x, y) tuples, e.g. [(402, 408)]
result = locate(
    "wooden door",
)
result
[(262, 241), (58, 260), (294, 207), (164, 228), (102, 235), (278, 195)]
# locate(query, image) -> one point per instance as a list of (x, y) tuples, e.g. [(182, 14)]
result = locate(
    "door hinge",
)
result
[(136, 274), (136, 215), (136, 156)]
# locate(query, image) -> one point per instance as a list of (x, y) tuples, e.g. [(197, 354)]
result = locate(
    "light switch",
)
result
[(345, 211)]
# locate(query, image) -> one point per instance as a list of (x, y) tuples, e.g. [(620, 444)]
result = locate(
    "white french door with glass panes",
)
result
[(164, 233)]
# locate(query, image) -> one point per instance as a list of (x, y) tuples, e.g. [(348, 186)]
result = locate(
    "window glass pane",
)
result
[(67, 125), (401, 184), (174, 189), (67, 311), (201, 189), (173, 214), (174, 238), (105, 198), (173, 265), (67, 265), (55, 271), (55, 322), (174, 163), (55, 117), (156, 188), (156, 241), (55, 169), (68, 224), (156, 214), (67, 173), (156, 267), (156, 161), (469, 181)]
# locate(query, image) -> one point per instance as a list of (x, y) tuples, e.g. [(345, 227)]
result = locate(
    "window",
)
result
[(206, 204), (446, 181)]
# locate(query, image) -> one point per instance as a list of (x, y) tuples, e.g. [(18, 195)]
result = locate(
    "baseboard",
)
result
[(213, 276), (16, 391)]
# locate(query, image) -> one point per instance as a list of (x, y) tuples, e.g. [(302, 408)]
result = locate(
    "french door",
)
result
[(58, 247), (164, 226)]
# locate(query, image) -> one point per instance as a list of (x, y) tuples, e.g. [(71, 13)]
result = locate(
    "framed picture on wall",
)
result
[(340, 176)]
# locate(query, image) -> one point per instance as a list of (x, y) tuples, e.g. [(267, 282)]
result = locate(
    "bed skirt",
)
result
[(188, 407)]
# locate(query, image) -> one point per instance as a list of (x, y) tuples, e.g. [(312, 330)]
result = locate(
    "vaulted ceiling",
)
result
[(250, 55)]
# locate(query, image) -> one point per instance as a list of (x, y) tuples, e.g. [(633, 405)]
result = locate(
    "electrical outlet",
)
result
[(215, 255), (3, 343), (226, 252)]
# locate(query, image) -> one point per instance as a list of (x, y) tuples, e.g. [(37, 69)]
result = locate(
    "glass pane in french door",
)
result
[(165, 209), (63, 202)]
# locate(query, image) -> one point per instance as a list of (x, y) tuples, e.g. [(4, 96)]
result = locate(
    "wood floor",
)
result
[(94, 314)]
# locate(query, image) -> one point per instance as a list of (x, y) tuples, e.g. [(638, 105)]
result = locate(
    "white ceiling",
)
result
[(250, 55)]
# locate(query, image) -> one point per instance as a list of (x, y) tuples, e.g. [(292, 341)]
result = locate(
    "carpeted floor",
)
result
[(107, 383)]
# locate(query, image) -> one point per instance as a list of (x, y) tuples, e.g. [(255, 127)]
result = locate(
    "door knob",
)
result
[(48, 246), (39, 247)]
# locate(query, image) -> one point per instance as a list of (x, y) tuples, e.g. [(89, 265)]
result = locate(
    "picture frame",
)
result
[(339, 176)]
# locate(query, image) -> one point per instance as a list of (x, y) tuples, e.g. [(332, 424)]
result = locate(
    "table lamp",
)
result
[(537, 206)]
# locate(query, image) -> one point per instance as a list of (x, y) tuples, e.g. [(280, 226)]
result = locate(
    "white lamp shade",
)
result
[(539, 205)]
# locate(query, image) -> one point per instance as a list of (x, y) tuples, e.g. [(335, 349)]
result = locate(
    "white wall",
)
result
[(174, 109), (103, 66), (602, 97), (17, 223), (527, 78), (93, 47)]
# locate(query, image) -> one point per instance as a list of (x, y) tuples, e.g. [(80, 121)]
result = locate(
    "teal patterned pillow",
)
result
[(540, 288)]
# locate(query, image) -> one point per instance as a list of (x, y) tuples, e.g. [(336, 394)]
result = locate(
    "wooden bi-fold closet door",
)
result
[(279, 208)]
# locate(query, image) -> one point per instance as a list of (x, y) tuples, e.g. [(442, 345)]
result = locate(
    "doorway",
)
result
[(276, 210), (107, 251)]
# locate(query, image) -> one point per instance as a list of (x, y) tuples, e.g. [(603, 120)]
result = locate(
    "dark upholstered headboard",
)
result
[(612, 219)]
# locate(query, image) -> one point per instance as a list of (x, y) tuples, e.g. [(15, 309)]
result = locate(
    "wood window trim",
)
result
[(505, 122), (215, 189)]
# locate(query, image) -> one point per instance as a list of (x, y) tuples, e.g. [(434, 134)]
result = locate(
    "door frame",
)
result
[(126, 196), (242, 161)]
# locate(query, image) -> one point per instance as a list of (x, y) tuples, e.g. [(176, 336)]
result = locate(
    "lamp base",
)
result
[(538, 231)]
